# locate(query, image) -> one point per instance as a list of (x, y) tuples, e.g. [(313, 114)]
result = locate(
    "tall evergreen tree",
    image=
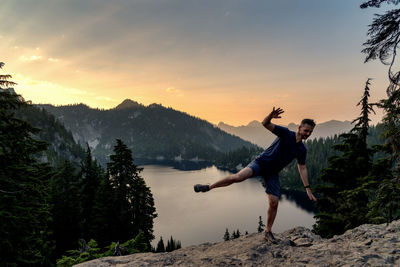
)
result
[(24, 191), (66, 209), (91, 174), (383, 43), (385, 207), (355, 206), (339, 207), (361, 126), (102, 221), (133, 201)]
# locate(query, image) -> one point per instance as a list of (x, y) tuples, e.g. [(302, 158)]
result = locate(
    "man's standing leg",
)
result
[(271, 214), (273, 190), (242, 175)]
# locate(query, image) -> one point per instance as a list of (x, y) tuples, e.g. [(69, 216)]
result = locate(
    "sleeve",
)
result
[(301, 159), (281, 131)]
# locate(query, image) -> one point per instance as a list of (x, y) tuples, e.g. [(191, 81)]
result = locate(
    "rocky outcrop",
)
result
[(366, 245)]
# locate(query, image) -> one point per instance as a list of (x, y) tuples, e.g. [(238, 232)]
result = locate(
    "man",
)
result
[(287, 146)]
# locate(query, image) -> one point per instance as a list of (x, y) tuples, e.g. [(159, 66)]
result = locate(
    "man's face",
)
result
[(305, 131)]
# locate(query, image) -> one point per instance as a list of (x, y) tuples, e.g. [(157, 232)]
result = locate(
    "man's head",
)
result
[(306, 128)]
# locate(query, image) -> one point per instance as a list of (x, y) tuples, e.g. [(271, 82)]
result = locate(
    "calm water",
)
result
[(195, 218)]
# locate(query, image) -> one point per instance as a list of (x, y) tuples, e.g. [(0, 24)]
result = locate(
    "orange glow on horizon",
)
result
[(198, 65)]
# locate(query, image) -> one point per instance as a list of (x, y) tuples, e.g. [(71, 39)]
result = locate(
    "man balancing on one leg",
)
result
[(287, 146)]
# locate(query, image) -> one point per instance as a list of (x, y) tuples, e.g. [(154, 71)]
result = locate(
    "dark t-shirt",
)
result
[(282, 151)]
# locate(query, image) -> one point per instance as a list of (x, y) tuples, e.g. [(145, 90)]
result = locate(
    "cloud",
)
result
[(47, 86), (44, 91), (30, 58), (106, 98), (173, 90), (55, 60)]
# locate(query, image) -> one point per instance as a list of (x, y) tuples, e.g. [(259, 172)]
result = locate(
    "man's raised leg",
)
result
[(242, 175)]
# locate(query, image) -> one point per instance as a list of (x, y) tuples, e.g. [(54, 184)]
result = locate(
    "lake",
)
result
[(195, 218)]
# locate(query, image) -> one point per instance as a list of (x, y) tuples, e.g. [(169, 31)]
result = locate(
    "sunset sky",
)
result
[(219, 60)]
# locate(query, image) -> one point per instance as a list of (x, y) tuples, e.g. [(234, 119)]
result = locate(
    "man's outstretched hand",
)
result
[(276, 113), (310, 195)]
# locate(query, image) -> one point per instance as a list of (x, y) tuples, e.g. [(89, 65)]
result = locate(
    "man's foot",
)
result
[(269, 237), (201, 188)]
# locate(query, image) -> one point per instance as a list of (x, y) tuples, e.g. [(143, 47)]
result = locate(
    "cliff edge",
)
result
[(366, 245)]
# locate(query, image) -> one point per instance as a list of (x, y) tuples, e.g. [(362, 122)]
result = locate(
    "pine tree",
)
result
[(391, 122), (340, 207), (102, 226), (170, 245), (91, 175), (173, 244), (227, 235), (236, 234), (385, 207), (355, 207), (133, 201), (160, 246), (178, 244), (261, 225), (66, 209), (24, 187), (361, 126), (383, 43)]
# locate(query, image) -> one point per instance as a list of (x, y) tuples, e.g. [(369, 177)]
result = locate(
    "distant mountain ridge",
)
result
[(257, 134), (61, 144), (152, 132)]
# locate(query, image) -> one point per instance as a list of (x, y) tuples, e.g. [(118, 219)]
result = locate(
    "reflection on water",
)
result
[(196, 218), (183, 165)]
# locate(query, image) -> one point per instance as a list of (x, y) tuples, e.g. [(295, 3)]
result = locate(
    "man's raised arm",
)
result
[(275, 114)]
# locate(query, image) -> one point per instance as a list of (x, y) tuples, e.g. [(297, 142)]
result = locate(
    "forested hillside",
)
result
[(62, 145), (152, 132)]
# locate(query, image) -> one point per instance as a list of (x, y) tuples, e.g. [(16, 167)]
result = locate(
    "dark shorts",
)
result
[(272, 184)]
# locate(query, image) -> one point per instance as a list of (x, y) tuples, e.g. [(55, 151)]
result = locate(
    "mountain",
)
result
[(366, 245), (257, 134), (152, 132), (61, 144), (127, 103)]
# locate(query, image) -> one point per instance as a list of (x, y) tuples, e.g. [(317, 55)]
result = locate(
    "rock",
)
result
[(366, 245)]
